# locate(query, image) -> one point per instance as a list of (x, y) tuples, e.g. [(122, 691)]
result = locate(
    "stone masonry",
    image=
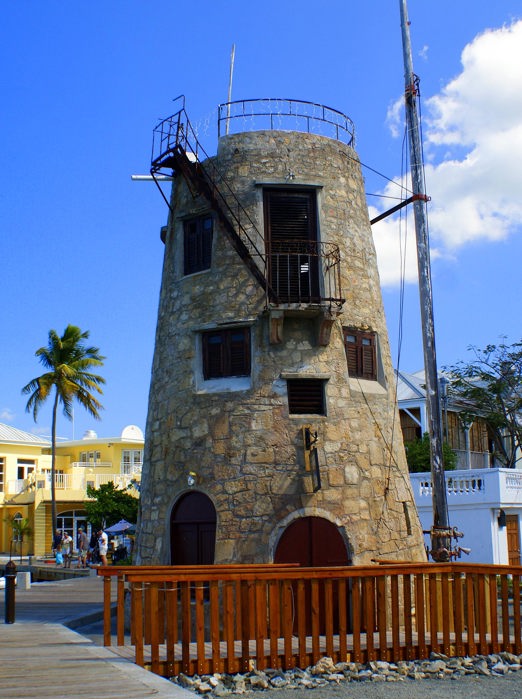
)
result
[(239, 438)]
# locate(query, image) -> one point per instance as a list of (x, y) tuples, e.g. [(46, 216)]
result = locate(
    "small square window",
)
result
[(306, 396), (226, 353), (361, 355), (197, 244)]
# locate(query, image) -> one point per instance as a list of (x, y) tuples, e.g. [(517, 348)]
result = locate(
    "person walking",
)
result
[(103, 545), (57, 540), (67, 546), (83, 547)]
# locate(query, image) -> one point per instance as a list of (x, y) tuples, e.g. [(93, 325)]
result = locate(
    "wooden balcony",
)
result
[(234, 618)]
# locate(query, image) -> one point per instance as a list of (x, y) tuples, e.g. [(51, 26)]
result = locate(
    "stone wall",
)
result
[(245, 448)]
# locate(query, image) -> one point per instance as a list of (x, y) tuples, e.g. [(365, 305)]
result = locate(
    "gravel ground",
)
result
[(469, 687)]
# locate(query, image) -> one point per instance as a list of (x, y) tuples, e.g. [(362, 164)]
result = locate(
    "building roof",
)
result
[(11, 435), (411, 386)]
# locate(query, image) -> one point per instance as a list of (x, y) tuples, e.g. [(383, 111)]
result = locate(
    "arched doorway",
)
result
[(193, 530), (315, 542), (312, 541)]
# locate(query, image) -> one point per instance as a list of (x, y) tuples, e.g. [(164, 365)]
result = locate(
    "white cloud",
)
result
[(473, 143), (7, 415)]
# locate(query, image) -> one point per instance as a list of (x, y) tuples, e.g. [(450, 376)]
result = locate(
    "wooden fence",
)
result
[(232, 618)]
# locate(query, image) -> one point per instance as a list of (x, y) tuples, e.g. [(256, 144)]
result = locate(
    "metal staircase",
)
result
[(176, 149)]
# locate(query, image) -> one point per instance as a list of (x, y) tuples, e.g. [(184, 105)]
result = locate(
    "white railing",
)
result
[(492, 485), (92, 464), (77, 480)]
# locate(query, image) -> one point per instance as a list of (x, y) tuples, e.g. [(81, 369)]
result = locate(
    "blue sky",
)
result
[(84, 84)]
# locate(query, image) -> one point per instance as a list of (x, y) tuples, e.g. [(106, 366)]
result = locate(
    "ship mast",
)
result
[(440, 532)]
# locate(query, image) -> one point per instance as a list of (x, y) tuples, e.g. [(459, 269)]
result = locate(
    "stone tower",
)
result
[(272, 430)]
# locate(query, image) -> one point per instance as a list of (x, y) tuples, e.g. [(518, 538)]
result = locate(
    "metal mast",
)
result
[(440, 544)]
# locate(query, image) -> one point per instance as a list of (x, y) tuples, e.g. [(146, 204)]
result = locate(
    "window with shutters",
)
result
[(197, 244), (226, 353), (361, 353), (306, 396)]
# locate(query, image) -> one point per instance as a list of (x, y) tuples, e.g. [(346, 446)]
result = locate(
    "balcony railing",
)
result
[(491, 485), (77, 480), (305, 272)]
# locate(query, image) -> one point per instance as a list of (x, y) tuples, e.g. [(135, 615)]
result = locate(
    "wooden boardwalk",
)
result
[(41, 657)]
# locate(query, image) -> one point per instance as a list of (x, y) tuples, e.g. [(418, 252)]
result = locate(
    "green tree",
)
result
[(20, 529), (69, 362), (109, 505), (418, 455), (490, 387)]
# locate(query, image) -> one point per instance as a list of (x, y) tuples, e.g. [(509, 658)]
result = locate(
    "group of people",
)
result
[(89, 551)]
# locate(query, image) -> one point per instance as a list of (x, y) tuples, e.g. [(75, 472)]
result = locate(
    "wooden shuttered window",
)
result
[(226, 353), (197, 244), (306, 396), (361, 353)]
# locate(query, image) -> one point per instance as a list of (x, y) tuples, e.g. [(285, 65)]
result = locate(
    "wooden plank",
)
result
[(482, 613), (315, 614), (245, 625), (287, 623), (328, 617), (274, 620), (419, 616), (395, 618), (516, 614), (447, 612), (260, 623), (186, 626), (153, 623), (470, 613), (229, 610), (120, 610), (382, 625), (137, 622), (369, 615), (407, 583), (171, 633), (217, 663), (493, 606), (107, 615), (356, 623), (301, 617), (434, 602), (343, 618), (505, 612), (199, 603)]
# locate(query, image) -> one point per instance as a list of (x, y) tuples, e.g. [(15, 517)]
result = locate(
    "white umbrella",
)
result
[(119, 527)]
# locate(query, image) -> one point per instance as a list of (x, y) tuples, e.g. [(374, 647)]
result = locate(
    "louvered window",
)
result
[(226, 353), (291, 239), (306, 396), (361, 353), (197, 244)]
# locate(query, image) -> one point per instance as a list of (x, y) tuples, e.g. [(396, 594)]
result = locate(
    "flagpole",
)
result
[(440, 545)]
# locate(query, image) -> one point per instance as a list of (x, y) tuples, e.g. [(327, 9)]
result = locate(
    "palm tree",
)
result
[(69, 362)]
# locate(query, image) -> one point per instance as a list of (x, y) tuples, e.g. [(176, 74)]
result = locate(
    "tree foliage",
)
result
[(69, 362), (490, 386), (109, 505), (418, 455)]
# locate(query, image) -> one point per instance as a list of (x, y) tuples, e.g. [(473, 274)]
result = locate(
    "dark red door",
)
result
[(314, 542), (193, 531)]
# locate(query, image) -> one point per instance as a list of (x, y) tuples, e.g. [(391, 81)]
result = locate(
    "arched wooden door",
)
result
[(315, 542), (312, 541), (193, 530)]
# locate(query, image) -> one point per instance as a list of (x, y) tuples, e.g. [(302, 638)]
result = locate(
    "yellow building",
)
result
[(25, 480)]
